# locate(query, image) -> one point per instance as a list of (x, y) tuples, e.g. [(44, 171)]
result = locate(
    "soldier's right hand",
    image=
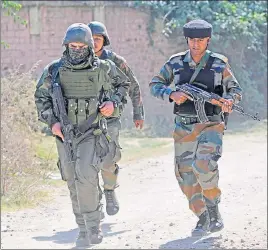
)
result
[(56, 130), (107, 108), (179, 97)]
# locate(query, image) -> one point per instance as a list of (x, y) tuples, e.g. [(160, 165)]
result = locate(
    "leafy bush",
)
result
[(21, 170)]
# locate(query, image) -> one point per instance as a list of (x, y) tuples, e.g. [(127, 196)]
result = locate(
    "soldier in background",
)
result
[(110, 168)]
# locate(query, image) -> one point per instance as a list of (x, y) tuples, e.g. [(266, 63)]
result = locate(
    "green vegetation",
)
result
[(11, 9), (239, 32)]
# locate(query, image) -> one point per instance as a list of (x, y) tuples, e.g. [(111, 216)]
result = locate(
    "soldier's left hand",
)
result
[(139, 123), (107, 108), (227, 106)]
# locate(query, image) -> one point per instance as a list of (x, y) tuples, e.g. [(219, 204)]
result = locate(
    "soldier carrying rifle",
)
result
[(69, 99), (197, 138)]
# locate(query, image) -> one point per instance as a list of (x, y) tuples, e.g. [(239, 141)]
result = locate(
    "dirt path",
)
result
[(154, 213)]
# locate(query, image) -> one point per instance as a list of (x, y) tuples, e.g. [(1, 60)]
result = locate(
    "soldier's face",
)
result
[(197, 46), (77, 45), (98, 42)]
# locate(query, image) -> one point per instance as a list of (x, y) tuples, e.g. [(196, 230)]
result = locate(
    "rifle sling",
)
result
[(200, 66), (55, 71), (87, 124)]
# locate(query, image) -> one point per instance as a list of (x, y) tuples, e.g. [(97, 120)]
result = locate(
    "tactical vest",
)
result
[(82, 89), (204, 81)]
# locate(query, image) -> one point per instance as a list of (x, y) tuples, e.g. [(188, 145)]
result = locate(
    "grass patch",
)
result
[(30, 198), (45, 148), (140, 148), (14, 202), (55, 182)]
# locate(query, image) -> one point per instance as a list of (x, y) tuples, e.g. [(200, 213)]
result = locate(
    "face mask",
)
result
[(78, 55)]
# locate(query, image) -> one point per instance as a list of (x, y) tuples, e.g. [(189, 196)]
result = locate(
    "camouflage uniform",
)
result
[(110, 168), (81, 84), (198, 146)]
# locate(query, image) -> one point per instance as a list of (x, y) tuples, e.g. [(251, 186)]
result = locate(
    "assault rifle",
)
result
[(200, 97), (67, 127)]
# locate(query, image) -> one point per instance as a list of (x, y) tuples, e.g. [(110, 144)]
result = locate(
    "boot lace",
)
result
[(202, 220), (109, 196), (213, 213)]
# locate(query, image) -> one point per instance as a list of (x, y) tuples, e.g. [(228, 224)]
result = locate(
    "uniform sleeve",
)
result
[(134, 91), (159, 86), (120, 83), (233, 89), (43, 99)]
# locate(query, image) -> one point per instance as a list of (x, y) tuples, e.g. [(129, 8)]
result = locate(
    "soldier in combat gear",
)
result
[(84, 80), (198, 146), (110, 168)]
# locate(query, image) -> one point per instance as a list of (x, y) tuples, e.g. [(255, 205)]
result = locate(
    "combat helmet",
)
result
[(78, 32), (98, 28), (197, 29)]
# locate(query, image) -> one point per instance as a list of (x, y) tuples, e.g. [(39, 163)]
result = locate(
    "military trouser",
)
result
[(198, 147), (82, 177), (109, 168)]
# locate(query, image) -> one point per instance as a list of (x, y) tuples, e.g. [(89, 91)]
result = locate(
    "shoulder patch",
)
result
[(178, 54), (220, 56)]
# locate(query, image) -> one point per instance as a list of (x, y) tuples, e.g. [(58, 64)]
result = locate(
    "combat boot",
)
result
[(82, 240), (95, 235), (216, 223), (112, 205), (202, 225)]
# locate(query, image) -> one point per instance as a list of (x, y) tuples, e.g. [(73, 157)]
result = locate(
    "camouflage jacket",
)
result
[(159, 86), (134, 88), (43, 97)]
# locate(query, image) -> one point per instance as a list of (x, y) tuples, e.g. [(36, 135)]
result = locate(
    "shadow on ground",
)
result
[(192, 243), (62, 237), (69, 237)]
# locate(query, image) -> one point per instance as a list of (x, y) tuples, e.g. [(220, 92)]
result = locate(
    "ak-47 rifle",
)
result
[(200, 97)]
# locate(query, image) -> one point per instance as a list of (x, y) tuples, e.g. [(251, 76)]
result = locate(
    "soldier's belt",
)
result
[(186, 120), (192, 120)]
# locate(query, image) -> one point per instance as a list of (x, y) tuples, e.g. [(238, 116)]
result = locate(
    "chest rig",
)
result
[(82, 90), (205, 81)]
